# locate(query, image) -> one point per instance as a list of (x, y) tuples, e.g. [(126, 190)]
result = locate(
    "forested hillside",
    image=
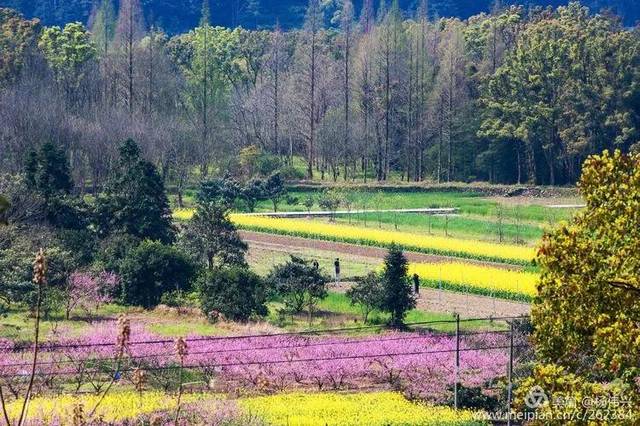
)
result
[(515, 96), (176, 16)]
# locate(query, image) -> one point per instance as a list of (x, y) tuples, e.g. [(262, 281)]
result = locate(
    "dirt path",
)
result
[(285, 241)]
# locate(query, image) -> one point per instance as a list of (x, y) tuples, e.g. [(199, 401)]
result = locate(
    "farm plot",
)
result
[(289, 409), (418, 363), (446, 292), (485, 280), (513, 254), (373, 409)]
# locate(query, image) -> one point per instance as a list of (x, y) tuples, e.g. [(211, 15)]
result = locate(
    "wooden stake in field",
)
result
[(456, 384)]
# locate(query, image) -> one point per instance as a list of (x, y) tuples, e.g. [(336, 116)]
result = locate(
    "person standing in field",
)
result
[(416, 284), (337, 268)]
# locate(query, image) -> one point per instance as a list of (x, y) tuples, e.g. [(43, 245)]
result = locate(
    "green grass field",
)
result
[(17, 323), (472, 227), (478, 217), (336, 311), (262, 259), (468, 203)]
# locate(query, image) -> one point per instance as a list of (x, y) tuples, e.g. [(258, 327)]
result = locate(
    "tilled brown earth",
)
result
[(467, 305), (353, 249)]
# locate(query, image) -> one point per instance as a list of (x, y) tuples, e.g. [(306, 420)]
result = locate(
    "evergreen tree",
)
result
[(134, 200), (47, 171), (300, 283), (398, 297), (274, 189), (220, 191), (47, 175)]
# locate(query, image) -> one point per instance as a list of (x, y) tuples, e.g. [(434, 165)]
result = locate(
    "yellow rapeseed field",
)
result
[(116, 406), (360, 409), (477, 279), (379, 237)]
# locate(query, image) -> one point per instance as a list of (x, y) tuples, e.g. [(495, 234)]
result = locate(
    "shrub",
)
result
[(474, 398), (152, 269), (68, 212), (299, 283), (16, 267), (180, 299), (367, 293), (330, 200), (235, 292), (291, 200), (309, 202), (4, 210), (291, 173)]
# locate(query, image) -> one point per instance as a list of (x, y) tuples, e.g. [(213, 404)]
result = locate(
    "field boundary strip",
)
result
[(466, 288)]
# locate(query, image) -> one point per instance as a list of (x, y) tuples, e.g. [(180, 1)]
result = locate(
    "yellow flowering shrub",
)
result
[(183, 214), (519, 285), (366, 409), (116, 406), (380, 237)]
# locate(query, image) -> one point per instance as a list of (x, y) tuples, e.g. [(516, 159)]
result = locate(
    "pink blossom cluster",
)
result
[(88, 291), (420, 364)]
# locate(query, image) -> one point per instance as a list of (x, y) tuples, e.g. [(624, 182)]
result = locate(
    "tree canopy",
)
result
[(152, 269), (520, 95), (397, 294), (586, 316), (134, 200)]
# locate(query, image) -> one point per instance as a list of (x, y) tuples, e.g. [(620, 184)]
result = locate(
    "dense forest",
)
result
[(517, 95), (176, 16)]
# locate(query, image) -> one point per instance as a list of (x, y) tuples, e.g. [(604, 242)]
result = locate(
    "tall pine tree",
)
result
[(398, 297), (134, 201)]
